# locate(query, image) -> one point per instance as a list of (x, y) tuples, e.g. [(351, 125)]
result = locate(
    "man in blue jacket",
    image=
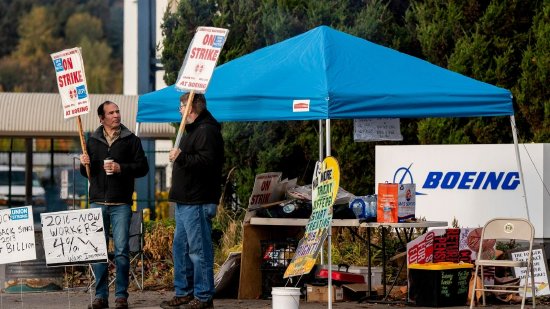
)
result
[(111, 189), (196, 190)]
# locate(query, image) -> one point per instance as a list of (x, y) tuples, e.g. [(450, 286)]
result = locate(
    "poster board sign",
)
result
[(376, 129), (71, 81), (17, 235), (264, 188), (539, 267), (325, 184), (74, 237), (201, 58)]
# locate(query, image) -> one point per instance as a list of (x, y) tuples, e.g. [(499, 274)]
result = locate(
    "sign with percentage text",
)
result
[(74, 237), (17, 235)]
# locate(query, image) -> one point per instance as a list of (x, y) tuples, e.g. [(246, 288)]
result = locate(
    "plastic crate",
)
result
[(277, 254), (439, 284)]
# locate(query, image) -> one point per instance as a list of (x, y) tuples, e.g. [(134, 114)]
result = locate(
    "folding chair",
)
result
[(135, 243), (136, 248), (506, 229)]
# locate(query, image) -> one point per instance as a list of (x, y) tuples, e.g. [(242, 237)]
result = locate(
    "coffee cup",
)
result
[(110, 170)]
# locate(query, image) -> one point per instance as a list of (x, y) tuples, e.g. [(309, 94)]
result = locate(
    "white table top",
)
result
[(419, 224), (299, 222), (345, 222)]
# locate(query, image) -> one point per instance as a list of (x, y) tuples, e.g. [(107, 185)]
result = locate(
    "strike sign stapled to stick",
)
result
[(199, 63), (71, 81)]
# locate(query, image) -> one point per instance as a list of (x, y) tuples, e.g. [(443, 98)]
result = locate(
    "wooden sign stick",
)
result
[(184, 118), (83, 143)]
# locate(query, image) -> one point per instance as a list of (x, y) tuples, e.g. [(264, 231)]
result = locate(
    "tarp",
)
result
[(342, 76)]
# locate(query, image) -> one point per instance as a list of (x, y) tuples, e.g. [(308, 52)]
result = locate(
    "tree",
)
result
[(532, 93)]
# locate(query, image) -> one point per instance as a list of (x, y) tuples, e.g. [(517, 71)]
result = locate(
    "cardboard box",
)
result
[(320, 293)]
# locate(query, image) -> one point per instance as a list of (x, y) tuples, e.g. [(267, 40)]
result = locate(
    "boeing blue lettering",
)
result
[(472, 180)]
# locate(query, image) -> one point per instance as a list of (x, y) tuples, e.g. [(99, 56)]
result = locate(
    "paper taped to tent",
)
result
[(328, 74)]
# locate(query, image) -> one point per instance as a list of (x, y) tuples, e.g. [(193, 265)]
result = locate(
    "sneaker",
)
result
[(176, 302), (99, 303), (121, 303), (197, 304)]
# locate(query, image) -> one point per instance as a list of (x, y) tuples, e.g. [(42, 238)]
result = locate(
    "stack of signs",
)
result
[(450, 245), (71, 81), (325, 184), (17, 235)]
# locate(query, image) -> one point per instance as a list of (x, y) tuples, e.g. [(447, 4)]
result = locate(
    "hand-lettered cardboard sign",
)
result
[(325, 184), (17, 235), (74, 237), (540, 270), (201, 58)]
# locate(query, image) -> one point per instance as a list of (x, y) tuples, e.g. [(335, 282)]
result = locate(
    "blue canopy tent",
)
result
[(342, 76), (326, 74)]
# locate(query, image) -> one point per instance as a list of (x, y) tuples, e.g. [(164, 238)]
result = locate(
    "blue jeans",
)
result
[(118, 217), (193, 252)]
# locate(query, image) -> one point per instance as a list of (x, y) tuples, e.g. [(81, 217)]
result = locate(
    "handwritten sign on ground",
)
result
[(16, 235), (201, 58), (71, 81), (74, 237), (539, 266), (325, 184)]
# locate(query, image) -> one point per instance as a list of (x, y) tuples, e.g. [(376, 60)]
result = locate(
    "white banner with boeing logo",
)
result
[(471, 183)]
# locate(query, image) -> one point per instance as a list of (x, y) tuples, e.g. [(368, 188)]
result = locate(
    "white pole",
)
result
[(327, 136), (514, 134), (137, 128), (321, 157)]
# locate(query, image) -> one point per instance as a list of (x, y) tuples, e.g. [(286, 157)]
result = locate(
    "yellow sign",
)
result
[(326, 181)]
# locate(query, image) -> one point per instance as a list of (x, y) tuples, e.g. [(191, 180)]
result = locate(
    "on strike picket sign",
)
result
[(17, 235), (71, 81), (325, 184), (201, 58), (74, 237)]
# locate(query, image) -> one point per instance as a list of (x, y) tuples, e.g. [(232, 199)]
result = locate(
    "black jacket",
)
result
[(126, 151), (197, 171)]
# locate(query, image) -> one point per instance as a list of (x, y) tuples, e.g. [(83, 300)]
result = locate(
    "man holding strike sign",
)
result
[(196, 176), (116, 158)]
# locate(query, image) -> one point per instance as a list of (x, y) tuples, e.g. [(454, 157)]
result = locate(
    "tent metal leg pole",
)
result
[(521, 178), (321, 157), (137, 128), (329, 249)]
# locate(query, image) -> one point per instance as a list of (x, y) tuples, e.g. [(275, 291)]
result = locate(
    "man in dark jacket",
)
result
[(111, 189), (196, 189)]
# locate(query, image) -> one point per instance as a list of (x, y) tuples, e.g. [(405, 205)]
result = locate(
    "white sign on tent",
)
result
[(376, 129), (74, 237), (201, 58), (17, 235)]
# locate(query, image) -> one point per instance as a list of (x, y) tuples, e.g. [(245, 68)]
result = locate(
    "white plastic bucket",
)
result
[(285, 298)]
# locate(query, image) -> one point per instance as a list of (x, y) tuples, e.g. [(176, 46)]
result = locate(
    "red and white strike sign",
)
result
[(71, 81), (201, 58)]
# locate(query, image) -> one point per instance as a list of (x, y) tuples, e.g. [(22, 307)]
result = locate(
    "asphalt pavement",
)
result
[(152, 299)]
